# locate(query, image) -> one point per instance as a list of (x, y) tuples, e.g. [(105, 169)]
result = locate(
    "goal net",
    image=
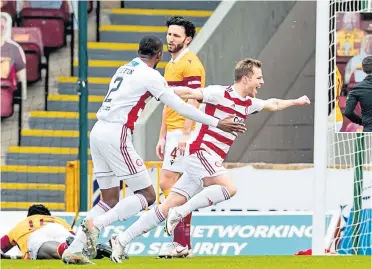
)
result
[(349, 154)]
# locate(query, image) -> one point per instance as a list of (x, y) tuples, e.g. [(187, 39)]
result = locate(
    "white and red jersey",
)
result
[(220, 102), (130, 89)]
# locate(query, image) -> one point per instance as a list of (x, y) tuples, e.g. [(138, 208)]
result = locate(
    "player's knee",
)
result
[(168, 179), (231, 188), (111, 196)]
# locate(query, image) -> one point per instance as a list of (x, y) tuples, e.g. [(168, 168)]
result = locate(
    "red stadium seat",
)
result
[(52, 23), (367, 25), (10, 7), (30, 39), (7, 93), (341, 67)]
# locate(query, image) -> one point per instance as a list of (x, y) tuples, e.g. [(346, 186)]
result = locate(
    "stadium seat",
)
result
[(366, 25), (7, 93), (341, 67), (30, 39), (9, 7), (53, 24)]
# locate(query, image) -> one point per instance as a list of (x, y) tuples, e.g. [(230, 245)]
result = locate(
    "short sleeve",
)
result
[(12, 235), (256, 106), (194, 76), (212, 94), (156, 84)]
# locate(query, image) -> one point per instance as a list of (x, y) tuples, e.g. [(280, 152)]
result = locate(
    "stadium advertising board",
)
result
[(223, 234)]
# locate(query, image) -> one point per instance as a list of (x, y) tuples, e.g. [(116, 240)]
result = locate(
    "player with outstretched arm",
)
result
[(205, 181), (113, 154)]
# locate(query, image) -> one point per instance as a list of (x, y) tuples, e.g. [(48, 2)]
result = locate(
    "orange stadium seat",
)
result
[(31, 41)]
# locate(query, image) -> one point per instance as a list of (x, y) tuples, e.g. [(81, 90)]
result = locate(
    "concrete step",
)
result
[(117, 51), (155, 17), (96, 85), (23, 206), (131, 33), (41, 156), (57, 120), (70, 103), (33, 174), (50, 138), (189, 5), (104, 68), (36, 195)]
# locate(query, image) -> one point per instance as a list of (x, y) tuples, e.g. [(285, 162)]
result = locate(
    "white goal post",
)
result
[(350, 152)]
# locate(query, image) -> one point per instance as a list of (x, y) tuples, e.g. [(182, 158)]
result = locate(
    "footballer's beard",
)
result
[(177, 47)]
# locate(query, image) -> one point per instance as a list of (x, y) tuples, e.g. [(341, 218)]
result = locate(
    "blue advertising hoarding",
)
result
[(226, 234)]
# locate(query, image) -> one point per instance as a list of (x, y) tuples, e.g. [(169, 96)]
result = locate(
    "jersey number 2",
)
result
[(117, 83)]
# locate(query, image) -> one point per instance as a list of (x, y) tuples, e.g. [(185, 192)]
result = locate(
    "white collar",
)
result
[(179, 56), (237, 94)]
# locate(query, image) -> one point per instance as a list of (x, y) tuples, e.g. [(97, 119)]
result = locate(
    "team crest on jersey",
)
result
[(133, 63), (139, 162), (218, 164)]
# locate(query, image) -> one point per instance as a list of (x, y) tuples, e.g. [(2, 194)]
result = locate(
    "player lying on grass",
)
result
[(42, 236), (113, 154), (205, 181)]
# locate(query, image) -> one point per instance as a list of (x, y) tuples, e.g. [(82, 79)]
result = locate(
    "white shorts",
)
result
[(115, 159), (50, 232), (198, 165), (338, 126), (173, 161)]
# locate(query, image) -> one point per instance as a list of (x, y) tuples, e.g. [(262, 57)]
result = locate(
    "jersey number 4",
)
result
[(117, 83)]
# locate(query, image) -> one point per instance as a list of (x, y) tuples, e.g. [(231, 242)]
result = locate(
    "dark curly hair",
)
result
[(185, 23), (38, 209)]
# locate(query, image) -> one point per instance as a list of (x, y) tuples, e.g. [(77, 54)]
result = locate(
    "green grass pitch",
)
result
[(241, 262)]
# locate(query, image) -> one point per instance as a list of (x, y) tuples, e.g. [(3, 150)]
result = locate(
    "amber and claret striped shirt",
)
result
[(185, 70)]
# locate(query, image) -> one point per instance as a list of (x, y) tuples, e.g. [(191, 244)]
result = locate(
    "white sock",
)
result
[(126, 208), (80, 238), (210, 195), (146, 222)]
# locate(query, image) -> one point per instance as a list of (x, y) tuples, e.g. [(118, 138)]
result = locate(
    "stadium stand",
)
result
[(13, 69), (30, 39), (354, 42), (52, 139)]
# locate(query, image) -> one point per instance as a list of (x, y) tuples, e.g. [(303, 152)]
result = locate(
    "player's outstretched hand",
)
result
[(160, 149), (231, 124), (302, 101)]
